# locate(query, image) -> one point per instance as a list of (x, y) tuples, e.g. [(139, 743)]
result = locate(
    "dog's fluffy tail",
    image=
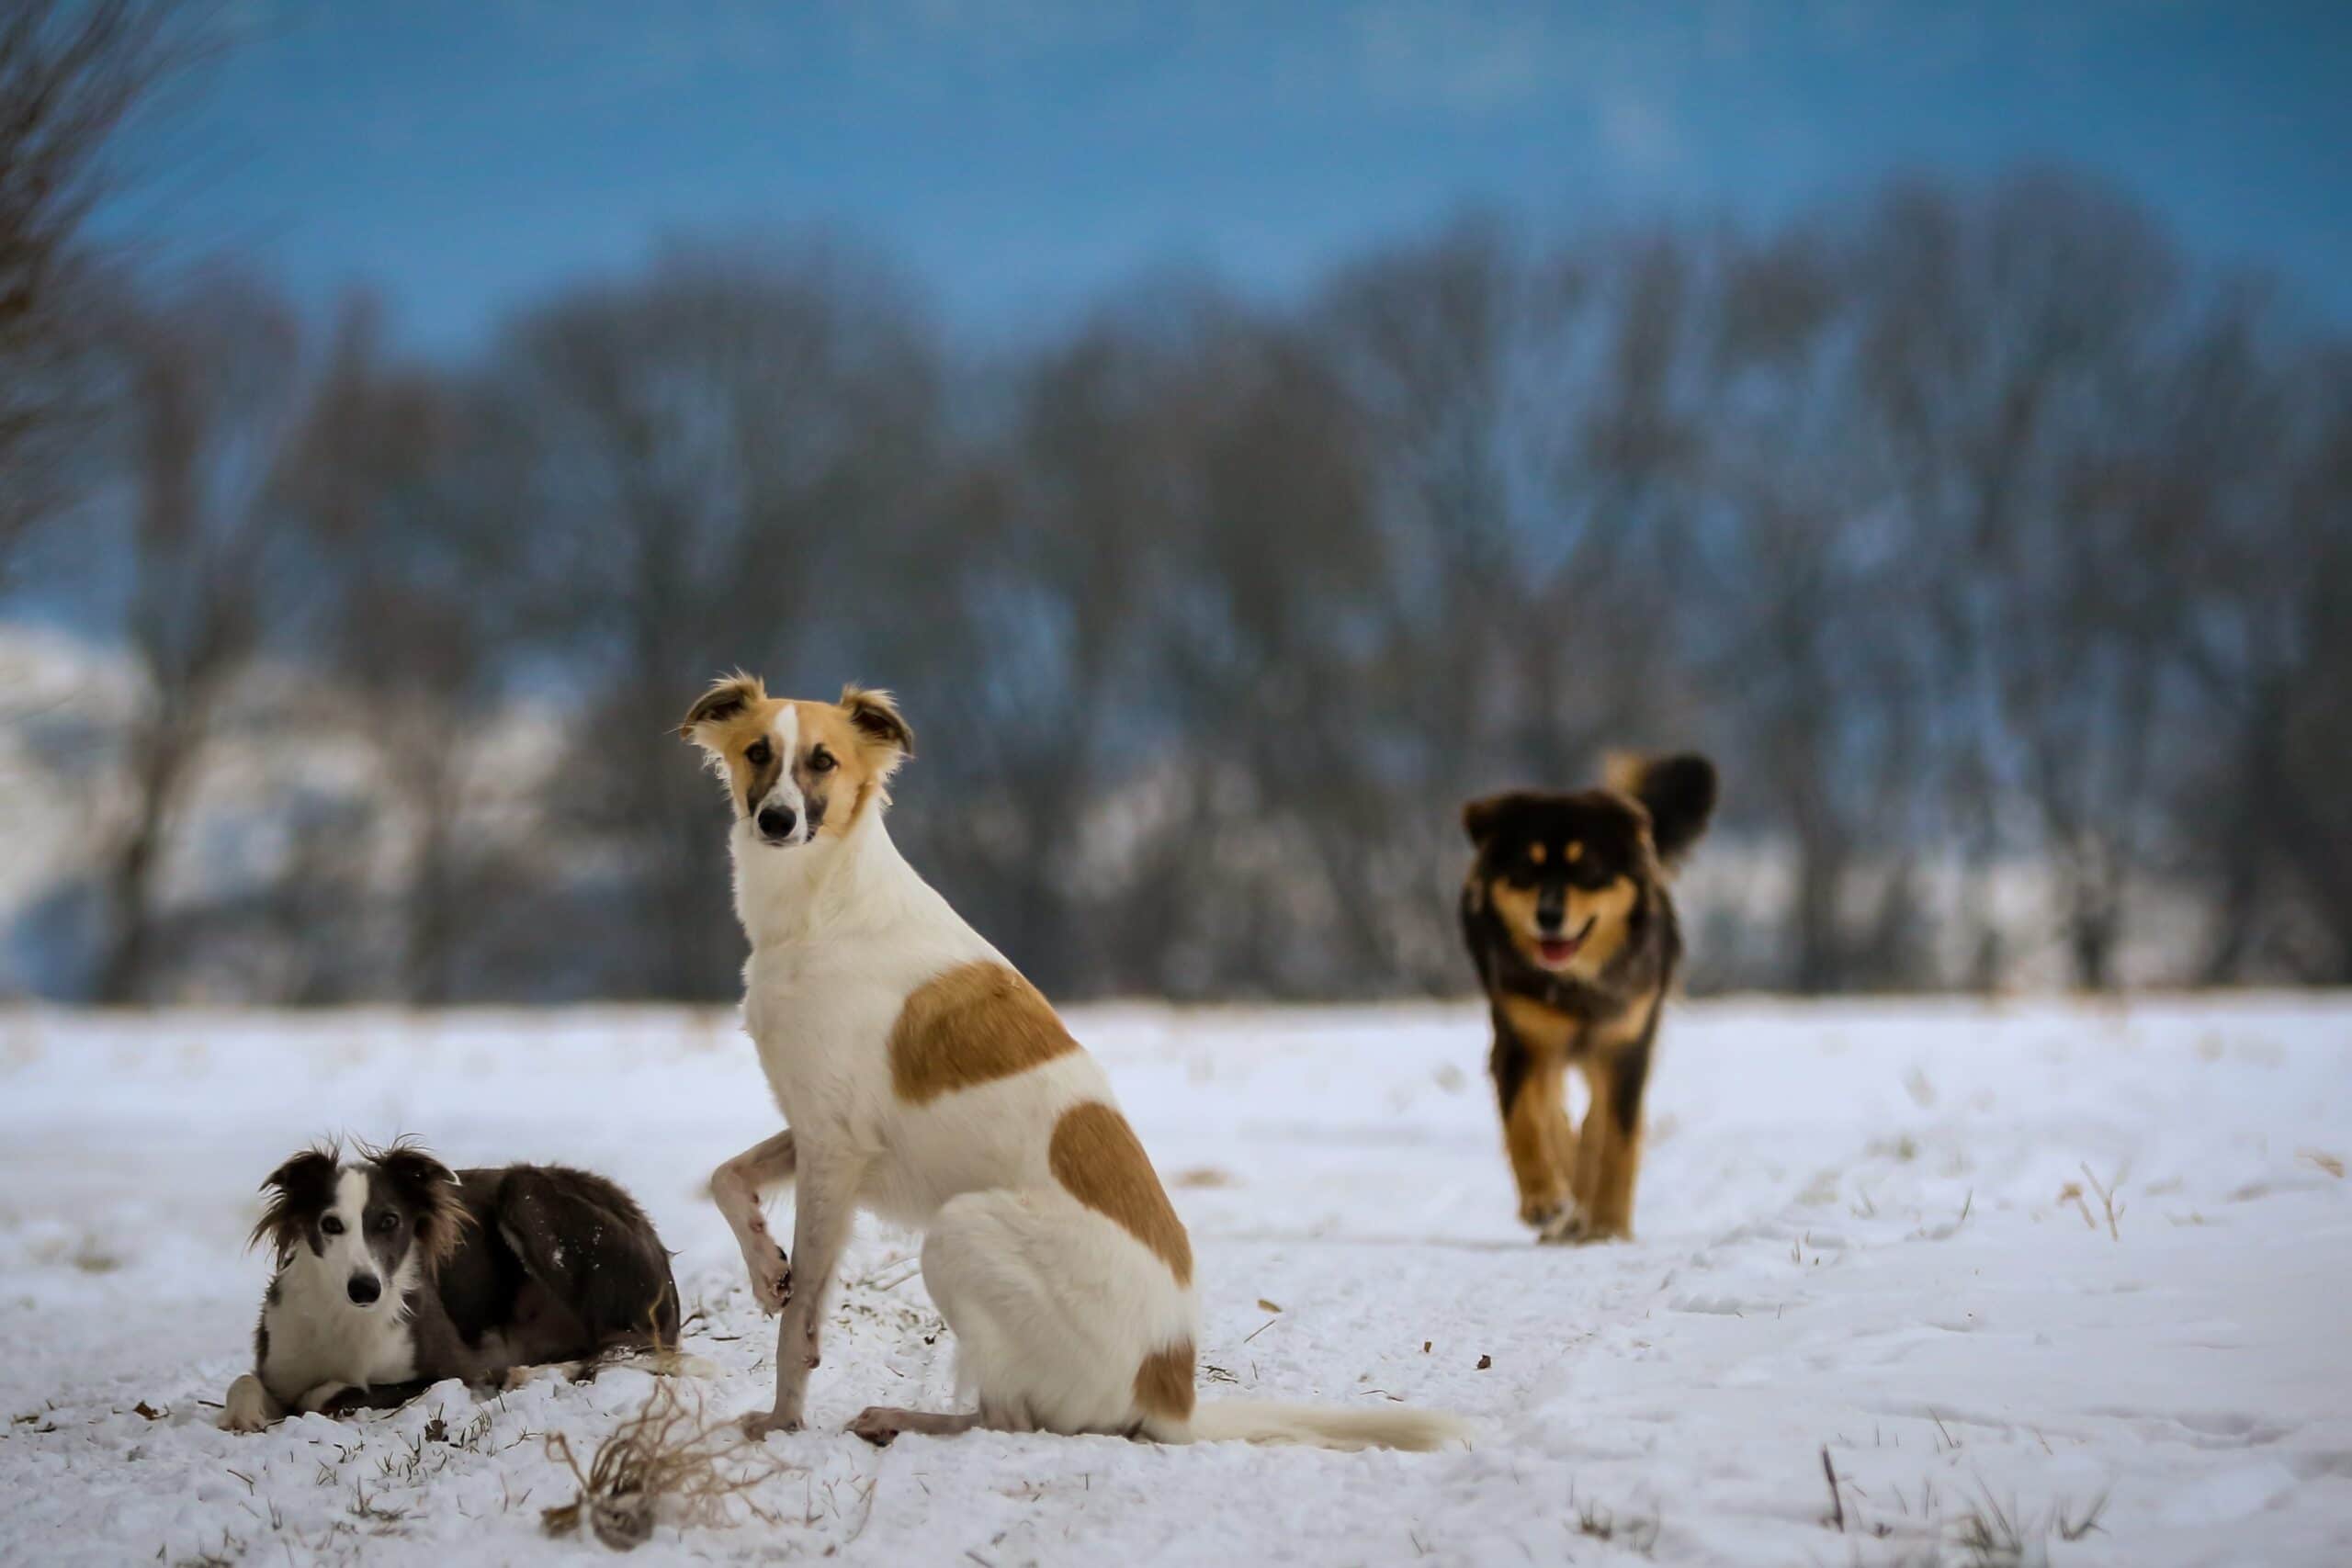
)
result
[(1324, 1426)]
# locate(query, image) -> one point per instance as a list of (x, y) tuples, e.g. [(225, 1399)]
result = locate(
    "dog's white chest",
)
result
[(317, 1336)]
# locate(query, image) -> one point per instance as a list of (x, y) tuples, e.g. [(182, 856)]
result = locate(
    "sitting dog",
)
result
[(394, 1272), (1568, 919), (925, 1079)]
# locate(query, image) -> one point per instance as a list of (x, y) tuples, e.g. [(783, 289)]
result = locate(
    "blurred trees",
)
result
[(2001, 557), (210, 395), (70, 75)]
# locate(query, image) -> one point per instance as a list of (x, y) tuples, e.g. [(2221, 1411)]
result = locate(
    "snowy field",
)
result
[(1873, 1233)]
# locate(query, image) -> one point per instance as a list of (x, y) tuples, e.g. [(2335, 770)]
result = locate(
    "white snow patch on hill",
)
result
[(1853, 1240)]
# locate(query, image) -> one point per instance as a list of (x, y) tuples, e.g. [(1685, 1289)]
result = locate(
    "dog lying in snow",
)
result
[(925, 1079), (395, 1272)]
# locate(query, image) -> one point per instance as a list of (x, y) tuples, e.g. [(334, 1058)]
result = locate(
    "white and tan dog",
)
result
[(923, 1078)]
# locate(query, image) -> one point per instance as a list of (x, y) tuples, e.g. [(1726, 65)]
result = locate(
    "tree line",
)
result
[(1997, 551)]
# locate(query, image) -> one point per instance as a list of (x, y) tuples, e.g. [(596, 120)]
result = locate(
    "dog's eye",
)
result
[(820, 761), (757, 753), (331, 1225), (385, 1223)]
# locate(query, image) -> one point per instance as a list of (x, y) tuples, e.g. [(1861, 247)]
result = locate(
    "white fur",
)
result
[(1054, 1306), (785, 793)]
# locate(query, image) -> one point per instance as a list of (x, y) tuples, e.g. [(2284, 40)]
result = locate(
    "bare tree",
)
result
[(409, 561), (211, 384), (70, 75), (710, 464)]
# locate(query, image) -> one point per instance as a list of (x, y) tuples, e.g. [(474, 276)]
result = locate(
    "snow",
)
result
[(1852, 1241)]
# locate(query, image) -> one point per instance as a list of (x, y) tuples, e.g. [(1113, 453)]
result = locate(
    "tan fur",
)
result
[(1608, 907), (1164, 1382), (975, 1024), (1540, 1142), (1607, 1157), (1095, 1155), (1540, 1027), (862, 735), (1550, 1160), (1622, 771), (860, 766)]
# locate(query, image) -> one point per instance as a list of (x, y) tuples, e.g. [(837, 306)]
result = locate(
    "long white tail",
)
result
[(1322, 1426)]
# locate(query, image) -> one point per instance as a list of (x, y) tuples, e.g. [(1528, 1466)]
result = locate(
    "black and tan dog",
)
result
[(1568, 919)]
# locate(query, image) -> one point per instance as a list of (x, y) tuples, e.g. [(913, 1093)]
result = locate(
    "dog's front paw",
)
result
[(249, 1406), (759, 1423), (878, 1425), (1576, 1227), (771, 1280), (1542, 1212)]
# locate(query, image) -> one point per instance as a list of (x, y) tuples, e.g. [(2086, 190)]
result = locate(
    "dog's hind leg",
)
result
[(1050, 1312), (738, 1188), (585, 1243)]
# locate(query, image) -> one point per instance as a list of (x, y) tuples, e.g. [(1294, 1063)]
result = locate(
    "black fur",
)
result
[(1680, 795), (300, 1192), (877, 719), (564, 1256), (729, 695)]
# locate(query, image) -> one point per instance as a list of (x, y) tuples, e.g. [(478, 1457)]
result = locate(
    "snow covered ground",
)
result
[(1859, 1238)]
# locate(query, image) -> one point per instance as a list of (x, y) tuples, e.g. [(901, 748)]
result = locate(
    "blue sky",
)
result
[(1017, 158)]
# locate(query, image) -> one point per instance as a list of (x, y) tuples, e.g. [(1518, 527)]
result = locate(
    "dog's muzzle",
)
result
[(776, 824), (365, 1289)]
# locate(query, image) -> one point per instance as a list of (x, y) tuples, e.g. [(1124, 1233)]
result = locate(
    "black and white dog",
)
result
[(394, 1272)]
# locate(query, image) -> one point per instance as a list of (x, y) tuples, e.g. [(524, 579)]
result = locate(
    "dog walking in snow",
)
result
[(395, 1272), (1569, 917), (923, 1078)]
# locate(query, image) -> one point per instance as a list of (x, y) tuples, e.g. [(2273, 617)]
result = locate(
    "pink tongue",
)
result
[(1556, 951)]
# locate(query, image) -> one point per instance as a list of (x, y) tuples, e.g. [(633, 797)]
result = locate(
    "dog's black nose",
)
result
[(776, 822), (365, 1289)]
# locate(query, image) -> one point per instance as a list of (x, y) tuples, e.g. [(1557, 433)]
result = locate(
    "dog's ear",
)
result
[(431, 1189), (881, 726), (1678, 793), (303, 1185), (729, 695), (1482, 816)]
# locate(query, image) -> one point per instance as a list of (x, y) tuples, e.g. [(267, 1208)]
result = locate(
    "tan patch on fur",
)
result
[(1164, 1382), (840, 794), (731, 738), (1540, 1142), (1622, 771), (1535, 853), (1538, 1026), (736, 718), (1610, 1035), (1516, 906), (1096, 1156), (1608, 1159), (1547, 1030), (1606, 907), (1576, 850), (971, 1025)]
